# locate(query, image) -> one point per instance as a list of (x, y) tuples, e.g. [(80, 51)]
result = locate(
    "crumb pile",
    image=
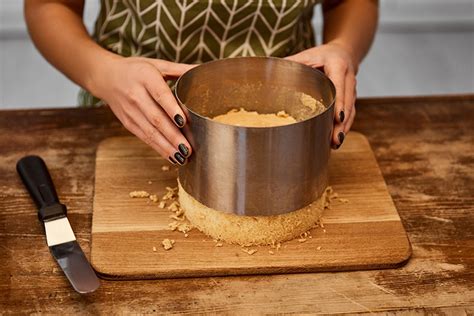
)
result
[(242, 117), (169, 201), (167, 243)]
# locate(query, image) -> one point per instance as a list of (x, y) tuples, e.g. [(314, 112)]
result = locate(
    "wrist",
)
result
[(99, 70), (349, 49)]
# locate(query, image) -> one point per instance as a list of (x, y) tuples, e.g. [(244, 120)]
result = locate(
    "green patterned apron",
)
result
[(203, 30)]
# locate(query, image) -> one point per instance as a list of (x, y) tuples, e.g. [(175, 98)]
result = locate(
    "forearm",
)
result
[(352, 24), (58, 32)]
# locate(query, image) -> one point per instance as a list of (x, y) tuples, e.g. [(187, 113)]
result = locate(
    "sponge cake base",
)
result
[(251, 230)]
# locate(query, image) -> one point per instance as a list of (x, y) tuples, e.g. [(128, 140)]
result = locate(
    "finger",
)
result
[(349, 97), (299, 58), (160, 120), (134, 128), (338, 136), (350, 120), (314, 60), (144, 130), (170, 69), (131, 120), (161, 93), (337, 74)]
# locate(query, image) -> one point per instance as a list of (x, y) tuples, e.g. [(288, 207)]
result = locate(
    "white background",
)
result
[(422, 47)]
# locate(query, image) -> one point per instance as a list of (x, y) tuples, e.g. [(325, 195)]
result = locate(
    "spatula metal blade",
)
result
[(77, 269)]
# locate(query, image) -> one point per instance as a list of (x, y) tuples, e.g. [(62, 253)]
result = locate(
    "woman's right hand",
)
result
[(135, 88)]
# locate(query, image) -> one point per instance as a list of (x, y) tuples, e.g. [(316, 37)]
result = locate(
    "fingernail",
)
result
[(341, 136), (172, 160), (342, 116), (179, 120), (179, 158), (183, 150)]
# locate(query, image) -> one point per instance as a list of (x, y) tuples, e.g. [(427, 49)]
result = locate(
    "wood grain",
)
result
[(423, 145)]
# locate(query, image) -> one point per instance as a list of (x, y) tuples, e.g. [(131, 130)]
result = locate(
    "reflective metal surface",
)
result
[(75, 266), (255, 170)]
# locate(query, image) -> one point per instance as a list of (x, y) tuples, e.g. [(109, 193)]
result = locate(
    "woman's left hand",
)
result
[(338, 64)]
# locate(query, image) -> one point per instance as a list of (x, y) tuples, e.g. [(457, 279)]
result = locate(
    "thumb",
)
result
[(312, 57), (170, 69), (298, 57)]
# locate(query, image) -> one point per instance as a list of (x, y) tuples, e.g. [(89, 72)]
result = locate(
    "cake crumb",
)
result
[(318, 248), (173, 225), (176, 218), (271, 252), (180, 211), (184, 227), (153, 198), (167, 243), (282, 114), (165, 168), (278, 246), (154, 249), (186, 235), (249, 251), (302, 240), (173, 207), (139, 194), (342, 200), (162, 204), (170, 193), (305, 235), (149, 182), (324, 231), (219, 244)]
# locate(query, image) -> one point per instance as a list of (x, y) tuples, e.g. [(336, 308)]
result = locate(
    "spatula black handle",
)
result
[(36, 177)]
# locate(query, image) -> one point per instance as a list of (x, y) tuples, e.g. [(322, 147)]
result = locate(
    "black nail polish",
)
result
[(341, 137), (179, 120), (179, 158), (183, 150), (172, 160), (342, 116)]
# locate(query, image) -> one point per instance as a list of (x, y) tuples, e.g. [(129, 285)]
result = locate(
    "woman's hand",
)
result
[(338, 64), (135, 88)]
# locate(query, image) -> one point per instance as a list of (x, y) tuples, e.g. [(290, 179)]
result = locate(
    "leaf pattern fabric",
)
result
[(197, 31)]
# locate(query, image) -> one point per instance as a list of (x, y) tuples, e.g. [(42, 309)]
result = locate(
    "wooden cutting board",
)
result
[(365, 233)]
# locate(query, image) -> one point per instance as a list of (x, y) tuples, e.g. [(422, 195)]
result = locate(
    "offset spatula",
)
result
[(59, 235)]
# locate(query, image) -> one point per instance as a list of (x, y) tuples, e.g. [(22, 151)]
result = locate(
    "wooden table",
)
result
[(425, 148)]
